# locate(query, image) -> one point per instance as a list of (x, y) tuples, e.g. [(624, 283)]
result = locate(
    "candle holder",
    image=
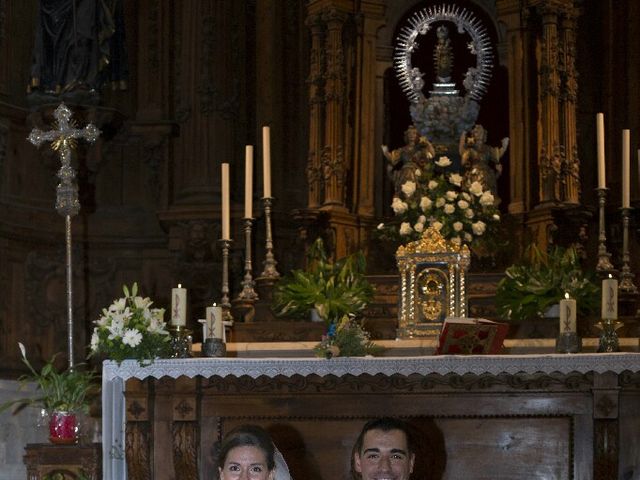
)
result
[(180, 341), (248, 294), (213, 347), (568, 342), (270, 263), (608, 341), (224, 303), (626, 277), (604, 264)]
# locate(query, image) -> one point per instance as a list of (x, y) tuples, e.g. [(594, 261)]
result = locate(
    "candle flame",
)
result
[(566, 295), (179, 285)]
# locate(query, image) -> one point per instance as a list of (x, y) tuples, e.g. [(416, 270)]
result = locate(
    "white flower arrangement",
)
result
[(130, 328), (461, 212)]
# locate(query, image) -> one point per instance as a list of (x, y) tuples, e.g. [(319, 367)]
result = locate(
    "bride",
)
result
[(247, 451)]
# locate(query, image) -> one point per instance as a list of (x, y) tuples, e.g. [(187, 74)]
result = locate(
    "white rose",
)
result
[(451, 195), (399, 206), (405, 228), (486, 199), (456, 241), (443, 162), (476, 188), (425, 203), (418, 227), (455, 179), (478, 227), (468, 237), (422, 219), (432, 185), (440, 202), (466, 196), (457, 226), (437, 225), (469, 213), (418, 172), (449, 209), (408, 188), (380, 226), (463, 204), (496, 216)]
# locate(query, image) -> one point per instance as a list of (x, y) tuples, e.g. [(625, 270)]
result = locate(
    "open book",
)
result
[(460, 336)]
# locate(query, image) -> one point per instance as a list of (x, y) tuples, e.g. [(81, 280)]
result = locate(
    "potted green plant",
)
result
[(63, 394), (540, 281), (333, 289)]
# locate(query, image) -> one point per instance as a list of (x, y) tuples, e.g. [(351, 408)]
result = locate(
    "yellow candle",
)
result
[(568, 314), (626, 168), (226, 213), (610, 298), (266, 161), (179, 306), (248, 182), (602, 183)]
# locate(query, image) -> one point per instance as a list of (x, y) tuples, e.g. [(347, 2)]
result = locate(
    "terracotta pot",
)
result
[(63, 428)]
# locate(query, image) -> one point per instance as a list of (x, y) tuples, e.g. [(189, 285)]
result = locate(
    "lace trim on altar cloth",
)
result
[(442, 365)]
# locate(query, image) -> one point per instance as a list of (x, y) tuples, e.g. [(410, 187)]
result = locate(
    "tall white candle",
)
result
[(248, 182), (626, 169), (226, 213), (568, 309), (214, 321), (266, 161), (610, 298), (179, 306), (602, 182)]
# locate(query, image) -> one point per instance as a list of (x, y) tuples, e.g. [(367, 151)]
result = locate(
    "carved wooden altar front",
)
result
[(510, 416)]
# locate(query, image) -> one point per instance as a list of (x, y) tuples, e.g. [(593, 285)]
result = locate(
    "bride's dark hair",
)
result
[(247, 435)]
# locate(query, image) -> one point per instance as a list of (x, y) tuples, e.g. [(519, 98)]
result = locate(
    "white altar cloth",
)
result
[(114, 377)]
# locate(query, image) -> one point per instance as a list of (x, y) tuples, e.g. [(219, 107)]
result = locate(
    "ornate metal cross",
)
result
[(64, 140)]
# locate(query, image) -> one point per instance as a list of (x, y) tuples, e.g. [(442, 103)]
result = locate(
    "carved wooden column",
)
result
[(550, 153), (316, 110), (568, 99), (333, 155), (514, 17)]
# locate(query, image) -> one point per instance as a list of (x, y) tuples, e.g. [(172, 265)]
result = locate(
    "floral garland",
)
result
[(461, 212), (130, 328), (346, 338)]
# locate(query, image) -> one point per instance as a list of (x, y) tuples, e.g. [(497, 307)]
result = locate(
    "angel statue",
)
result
[(481, 162), (404, 161)]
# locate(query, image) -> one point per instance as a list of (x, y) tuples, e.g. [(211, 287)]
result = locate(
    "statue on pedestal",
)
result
[(403, 162)]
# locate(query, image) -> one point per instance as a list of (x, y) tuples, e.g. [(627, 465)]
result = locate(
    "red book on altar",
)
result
[(471, 336)]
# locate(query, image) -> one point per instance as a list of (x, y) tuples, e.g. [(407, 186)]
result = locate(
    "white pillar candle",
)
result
[(626, 169), (568, 309), (602, 182), (214, 321), (610, 298), (226, 212), (248, 182), (266, 161), (179, 306)]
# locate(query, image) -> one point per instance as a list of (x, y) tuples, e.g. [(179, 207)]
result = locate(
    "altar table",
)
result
[(481, 417)]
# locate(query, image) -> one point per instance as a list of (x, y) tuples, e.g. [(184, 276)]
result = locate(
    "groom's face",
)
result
[(384, 455)]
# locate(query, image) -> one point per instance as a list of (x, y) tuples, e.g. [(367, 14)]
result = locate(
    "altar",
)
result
[(482, 417)]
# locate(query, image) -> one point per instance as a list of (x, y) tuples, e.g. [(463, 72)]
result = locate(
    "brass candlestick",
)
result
[(626, 282), (604, 264), (224, 303), (248, 294), (609, 337), (180, 342), (270, 263)]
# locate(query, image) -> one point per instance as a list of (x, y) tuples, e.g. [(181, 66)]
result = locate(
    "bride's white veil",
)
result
[(281, 471)]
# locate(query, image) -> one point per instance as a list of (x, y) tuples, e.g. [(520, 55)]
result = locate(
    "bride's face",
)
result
[(245, 463)]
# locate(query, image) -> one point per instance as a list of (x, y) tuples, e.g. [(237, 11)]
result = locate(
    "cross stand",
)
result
[(64, 140)]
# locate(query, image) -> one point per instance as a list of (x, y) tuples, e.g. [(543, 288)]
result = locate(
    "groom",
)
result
[(384, 449)]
